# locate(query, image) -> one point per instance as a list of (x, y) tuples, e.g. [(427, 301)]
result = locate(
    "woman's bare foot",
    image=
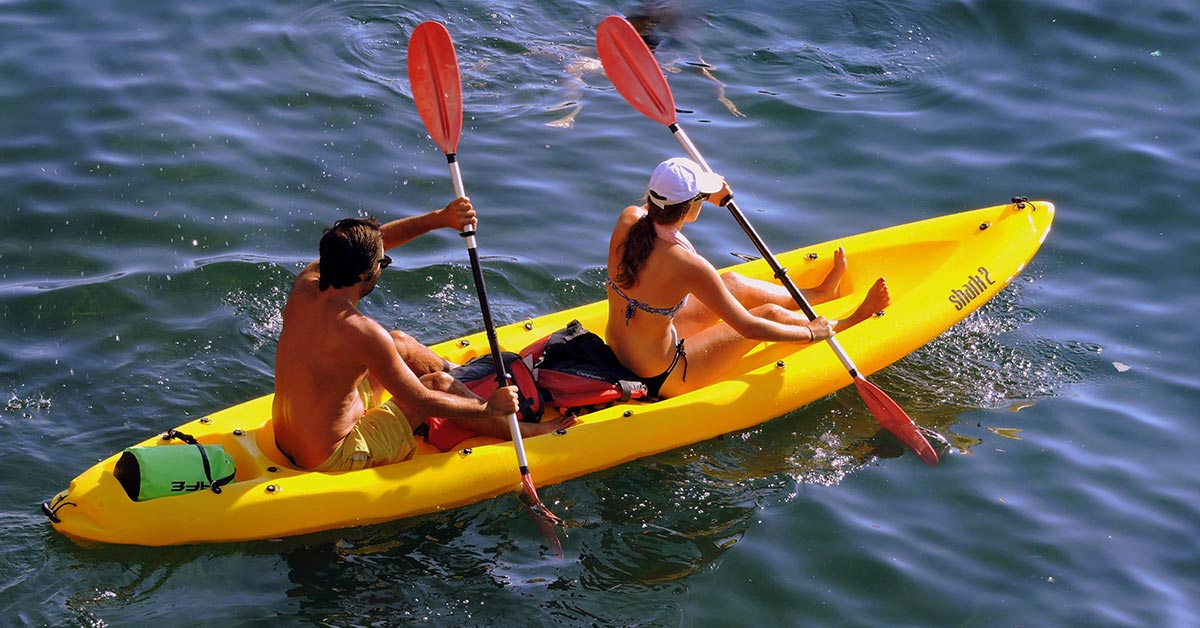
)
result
[(535, 429), (831, 287), (876, 300)]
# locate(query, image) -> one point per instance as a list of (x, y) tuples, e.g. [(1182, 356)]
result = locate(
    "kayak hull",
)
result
[(939, 271)]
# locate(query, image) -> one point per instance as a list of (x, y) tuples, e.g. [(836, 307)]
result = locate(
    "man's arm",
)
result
[(379, 356), (458, 214)]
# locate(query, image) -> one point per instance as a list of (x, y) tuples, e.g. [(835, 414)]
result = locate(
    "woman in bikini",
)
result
[(677, 343)]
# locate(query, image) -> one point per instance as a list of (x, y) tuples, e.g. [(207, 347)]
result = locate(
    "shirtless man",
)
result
[(334, 363)]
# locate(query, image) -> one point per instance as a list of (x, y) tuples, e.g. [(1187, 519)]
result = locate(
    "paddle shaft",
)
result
[(502, 378), (780, 272)]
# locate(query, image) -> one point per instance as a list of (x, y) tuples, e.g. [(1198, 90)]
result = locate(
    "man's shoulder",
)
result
[(357, 330), (306, 306), (307, 283)]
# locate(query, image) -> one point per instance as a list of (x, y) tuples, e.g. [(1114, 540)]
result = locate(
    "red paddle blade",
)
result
[(893, 419), (437, 90), (633, 69), (535, 502), (546, 521)]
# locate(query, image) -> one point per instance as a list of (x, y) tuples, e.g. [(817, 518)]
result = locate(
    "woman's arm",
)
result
[(705, 283)]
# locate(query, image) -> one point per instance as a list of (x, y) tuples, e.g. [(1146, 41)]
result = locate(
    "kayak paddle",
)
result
[(437, 91), (636, 74)]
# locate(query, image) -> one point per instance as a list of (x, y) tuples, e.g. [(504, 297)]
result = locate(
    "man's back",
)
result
[(317, 372)]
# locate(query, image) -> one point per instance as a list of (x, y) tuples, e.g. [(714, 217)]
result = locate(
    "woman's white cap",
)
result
[(679, 179)]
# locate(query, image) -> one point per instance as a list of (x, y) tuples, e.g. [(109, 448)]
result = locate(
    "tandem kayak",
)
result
[(938, 270)]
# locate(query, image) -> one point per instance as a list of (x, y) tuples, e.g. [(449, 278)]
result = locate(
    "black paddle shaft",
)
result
[(502, 377)]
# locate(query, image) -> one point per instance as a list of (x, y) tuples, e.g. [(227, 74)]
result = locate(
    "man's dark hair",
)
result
[(348, 251)]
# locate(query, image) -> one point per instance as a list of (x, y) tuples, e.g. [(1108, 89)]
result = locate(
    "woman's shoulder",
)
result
[(628, 217), (688, 265), (631, 214)]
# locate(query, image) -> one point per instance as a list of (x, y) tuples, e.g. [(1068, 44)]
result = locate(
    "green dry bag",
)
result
[(165, 470)]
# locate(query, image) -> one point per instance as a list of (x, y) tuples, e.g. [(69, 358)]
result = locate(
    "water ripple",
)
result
[(168, 167)]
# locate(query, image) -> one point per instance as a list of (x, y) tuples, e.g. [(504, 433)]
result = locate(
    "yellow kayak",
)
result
[(938, 270)]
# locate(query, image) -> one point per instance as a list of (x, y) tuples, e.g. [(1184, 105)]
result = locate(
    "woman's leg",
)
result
[(876, 300), (752, 293), (713, 351)]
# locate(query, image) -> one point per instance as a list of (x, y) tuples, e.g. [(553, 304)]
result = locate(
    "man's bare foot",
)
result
[(876, 300), (545, 427), (831, 287)]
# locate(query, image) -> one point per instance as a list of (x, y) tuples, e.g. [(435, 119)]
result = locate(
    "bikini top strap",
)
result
[(631, 305)]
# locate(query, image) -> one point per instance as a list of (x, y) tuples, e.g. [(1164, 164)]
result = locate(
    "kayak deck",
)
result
[(938, 270)]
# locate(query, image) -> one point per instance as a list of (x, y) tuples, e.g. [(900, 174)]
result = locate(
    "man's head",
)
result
[(351, 251)]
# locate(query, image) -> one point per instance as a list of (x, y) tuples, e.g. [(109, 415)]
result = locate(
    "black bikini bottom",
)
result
[(654, 384)]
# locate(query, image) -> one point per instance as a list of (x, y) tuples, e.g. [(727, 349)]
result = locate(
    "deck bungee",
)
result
[(939, 271)]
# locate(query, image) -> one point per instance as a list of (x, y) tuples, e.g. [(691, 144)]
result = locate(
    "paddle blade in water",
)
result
[(633, 69), (436, 88), (545, 520), (893, 419), (535, 502)]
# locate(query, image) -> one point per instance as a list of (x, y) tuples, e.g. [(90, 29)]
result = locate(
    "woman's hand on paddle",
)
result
[(821, 329), (459, 214), (721, 197), (503, 402)]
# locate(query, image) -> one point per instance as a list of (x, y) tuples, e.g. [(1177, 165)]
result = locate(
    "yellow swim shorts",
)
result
[(382, 436)]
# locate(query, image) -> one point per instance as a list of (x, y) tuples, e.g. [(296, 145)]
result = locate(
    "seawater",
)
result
[(165, 170)]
